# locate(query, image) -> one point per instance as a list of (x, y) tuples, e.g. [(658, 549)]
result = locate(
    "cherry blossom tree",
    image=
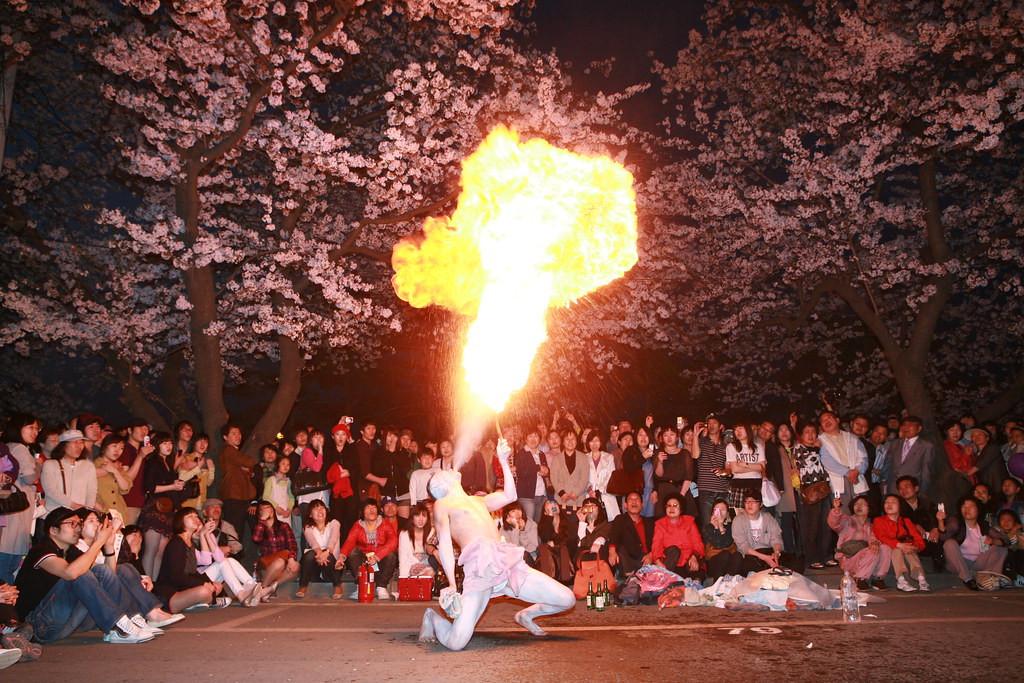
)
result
[(275, 151), (847, 193)]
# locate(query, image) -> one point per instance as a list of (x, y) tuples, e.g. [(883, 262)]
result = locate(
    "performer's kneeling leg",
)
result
[(454, 635), (549, 597)]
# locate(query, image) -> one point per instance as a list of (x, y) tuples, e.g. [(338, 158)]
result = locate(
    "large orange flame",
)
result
[(536, 226)]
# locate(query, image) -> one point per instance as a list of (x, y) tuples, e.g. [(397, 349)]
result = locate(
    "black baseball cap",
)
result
[(58, 516)]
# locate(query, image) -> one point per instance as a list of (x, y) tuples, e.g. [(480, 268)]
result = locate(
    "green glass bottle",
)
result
[(590, 595)]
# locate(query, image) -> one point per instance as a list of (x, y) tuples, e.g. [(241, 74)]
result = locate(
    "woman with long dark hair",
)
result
[(746, 462), (163, 492), (417, 546), (674, 471), (323, 543), (180, 585), (16, 536)]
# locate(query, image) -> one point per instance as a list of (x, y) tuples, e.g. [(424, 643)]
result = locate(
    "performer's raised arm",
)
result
[(499, 499)]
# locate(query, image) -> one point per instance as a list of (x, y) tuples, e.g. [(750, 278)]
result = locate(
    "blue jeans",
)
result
[(141, 599), (8, 565), (91, 600), (533, 508)]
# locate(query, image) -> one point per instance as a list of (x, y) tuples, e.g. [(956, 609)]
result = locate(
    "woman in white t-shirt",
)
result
[(745, 461), (323, 548)]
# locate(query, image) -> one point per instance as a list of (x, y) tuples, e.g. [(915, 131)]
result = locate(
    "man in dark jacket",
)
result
[(921, 512), (530, 469), (630, 536)]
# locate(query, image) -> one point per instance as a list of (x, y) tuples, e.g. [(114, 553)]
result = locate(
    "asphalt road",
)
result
[(950, 634)]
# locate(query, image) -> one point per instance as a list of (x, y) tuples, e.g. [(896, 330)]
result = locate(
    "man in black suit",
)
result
[(630, 537), (910, 455)]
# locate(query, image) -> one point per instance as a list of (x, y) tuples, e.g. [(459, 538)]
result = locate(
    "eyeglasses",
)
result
[(75, 524)]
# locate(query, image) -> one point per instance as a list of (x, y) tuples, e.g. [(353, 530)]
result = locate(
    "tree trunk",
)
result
[(6, 104), (134, 398), (199, 284), (172, 391), (289, 382)]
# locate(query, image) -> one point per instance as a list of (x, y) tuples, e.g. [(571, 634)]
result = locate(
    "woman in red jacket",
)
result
[(371, 541), (901, 534), (677, 543)]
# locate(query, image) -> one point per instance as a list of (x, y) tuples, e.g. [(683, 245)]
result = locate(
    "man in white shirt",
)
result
[(844, 457), (419, 479)]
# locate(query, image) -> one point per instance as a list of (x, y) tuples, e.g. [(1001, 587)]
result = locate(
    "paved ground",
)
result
[(950, 634)]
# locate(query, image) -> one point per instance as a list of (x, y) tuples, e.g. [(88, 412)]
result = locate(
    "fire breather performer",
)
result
[(491, 566)]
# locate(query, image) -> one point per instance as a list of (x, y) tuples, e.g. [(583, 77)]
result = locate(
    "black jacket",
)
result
[(622, 534)]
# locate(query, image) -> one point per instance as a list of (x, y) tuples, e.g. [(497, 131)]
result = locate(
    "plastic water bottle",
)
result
[(848, 595)]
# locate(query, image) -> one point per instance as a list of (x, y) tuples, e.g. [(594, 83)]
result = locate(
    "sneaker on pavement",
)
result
[(863, 585), (338, 594), (382, 593), (9, 657), (120, 637), (267, 592), (164, 621), (922, 583), (221, 603), (126, 632), (904, 585), (144, 626), (878, 583), (30, 651)]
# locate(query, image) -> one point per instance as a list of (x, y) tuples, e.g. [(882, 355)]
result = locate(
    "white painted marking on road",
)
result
[(586, 629)]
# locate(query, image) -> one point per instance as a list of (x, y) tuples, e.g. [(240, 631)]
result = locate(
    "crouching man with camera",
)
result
[(61, 590)]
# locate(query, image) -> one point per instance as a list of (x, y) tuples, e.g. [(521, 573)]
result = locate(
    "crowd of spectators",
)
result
[(120, 531)]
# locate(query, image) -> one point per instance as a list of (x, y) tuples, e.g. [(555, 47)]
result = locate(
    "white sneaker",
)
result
[(922, 583), (382, 593), (127, 633), (904, 585), (144, 626), (9, 657), (220, 603), (163, 622)]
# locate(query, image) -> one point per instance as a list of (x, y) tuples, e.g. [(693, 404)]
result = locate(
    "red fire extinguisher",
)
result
[(367, 586)]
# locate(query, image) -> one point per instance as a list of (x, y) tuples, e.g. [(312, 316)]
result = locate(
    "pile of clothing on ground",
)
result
[(772, 589)]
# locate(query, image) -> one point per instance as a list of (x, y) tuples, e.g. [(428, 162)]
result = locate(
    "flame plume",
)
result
[(536, 227)]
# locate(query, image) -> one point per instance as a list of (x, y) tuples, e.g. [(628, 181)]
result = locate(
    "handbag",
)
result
[(623, 482), (14, 501), (770, 495), (816, 492), (308, 481), (710, 550), (851, 548), (592, 572)]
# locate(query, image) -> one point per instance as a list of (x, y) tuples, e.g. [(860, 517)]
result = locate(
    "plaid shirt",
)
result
[(279, 537)]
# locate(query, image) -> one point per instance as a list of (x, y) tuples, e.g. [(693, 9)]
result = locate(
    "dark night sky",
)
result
[(586, 30)]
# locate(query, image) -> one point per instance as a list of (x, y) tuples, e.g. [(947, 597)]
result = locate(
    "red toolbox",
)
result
[(415, 589)]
